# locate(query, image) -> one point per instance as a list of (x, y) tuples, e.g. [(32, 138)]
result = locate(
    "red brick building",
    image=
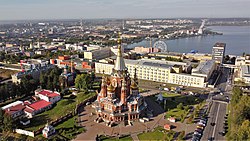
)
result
[(119, 98)]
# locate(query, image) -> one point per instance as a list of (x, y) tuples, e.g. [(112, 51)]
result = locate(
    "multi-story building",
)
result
[(187, 80), (242, 60), (36, 108), (198, 56), (48, 95), (218, 52), (33, 64), (97, 54), (245, 73), (119, 98), (35, 73), (204, 69), (242, 70), (143, 50), (164, 71), (15, 109)]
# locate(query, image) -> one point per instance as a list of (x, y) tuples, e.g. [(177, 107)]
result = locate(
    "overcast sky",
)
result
[(91, 9)]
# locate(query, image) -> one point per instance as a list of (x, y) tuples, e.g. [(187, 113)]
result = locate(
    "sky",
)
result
[(95, 9)]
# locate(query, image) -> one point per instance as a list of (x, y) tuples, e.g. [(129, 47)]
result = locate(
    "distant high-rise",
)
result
[(218, 52)]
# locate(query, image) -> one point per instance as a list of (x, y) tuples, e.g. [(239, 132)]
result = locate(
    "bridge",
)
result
[(200, 31)]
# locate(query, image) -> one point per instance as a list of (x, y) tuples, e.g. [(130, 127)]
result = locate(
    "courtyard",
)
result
[(86, 119)]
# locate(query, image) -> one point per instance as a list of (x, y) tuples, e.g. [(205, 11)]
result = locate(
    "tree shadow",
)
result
[(37, 121)]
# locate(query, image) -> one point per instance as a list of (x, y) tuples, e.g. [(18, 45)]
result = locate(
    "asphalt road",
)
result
[(216, 115), (218, 108)]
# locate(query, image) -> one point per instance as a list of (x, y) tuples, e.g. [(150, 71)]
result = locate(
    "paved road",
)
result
[(218, 108), (216, 115)]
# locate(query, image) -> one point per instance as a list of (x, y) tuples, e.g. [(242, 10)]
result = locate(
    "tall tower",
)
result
[(103, 92), (134, 85), (218, 52), (124, 91), (120, 64)]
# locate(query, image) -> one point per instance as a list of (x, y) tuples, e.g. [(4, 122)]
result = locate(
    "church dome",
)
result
[(111, 88), (133, 85)]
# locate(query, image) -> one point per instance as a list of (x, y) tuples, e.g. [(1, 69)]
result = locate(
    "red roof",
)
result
[(28, 109), (39, 104), (15, 108), (48, 93), (167, 126)]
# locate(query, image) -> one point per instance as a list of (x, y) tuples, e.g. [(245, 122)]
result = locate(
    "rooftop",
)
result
[(204, 67), (13, 109), (220, 45), (48, 93), (12, 104), (39, 104), (149, 62)]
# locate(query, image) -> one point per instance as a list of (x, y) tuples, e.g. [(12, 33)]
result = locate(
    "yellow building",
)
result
[(160, 71), (187, 80), (198, 56)]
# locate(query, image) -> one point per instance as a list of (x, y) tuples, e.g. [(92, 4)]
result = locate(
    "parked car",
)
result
[(198, 130), (200, 127), (201, 124), (195, 138), (210, 139), (197, 133), (203, 121)]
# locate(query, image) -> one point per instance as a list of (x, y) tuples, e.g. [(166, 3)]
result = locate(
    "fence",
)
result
[(24, 132)]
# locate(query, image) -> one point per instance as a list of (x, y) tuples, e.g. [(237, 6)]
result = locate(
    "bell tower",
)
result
[(124, 92)]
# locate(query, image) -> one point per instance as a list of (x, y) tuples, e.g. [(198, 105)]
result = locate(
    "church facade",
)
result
[(119, 98)]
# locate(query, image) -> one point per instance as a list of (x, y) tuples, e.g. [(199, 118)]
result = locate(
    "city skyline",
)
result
[(96, 9)]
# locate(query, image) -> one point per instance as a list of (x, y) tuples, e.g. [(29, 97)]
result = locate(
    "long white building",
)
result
[(163, 71)]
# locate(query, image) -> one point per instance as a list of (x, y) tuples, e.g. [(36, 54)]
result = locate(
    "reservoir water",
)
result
[(237, 39)]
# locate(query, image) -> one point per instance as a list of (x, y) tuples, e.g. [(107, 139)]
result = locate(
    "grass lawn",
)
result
[(68, 129), (177, 113), (168, 94), (125, 138), (158, 134), (64, 106), (174, 99)]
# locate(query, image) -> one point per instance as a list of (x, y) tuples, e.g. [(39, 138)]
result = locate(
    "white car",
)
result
[(197, 133), (203, 121), (202, 124)]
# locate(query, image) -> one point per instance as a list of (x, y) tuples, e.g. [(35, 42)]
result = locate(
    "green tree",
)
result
[(83, 82), (237, 93), (1, 119), (8, 123), (180, 106), (244, 131), (186, 108)]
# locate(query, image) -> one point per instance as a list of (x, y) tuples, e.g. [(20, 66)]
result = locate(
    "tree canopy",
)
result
[(239, 125)]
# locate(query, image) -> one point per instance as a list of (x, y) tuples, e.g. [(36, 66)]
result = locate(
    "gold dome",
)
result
[(133, 86), (111, 88)]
